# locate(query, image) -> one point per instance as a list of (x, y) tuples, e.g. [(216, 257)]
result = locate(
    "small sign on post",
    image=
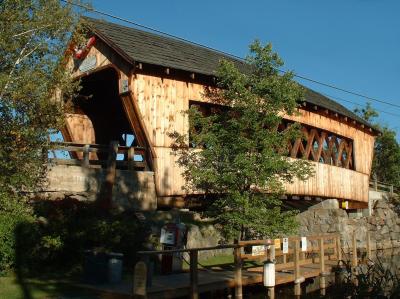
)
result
[(303, 244), (258, 250), (277, 243), (285, 246), (140, 280)]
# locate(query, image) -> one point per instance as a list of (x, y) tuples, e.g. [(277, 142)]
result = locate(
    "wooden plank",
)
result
[(108, 185), (238, 273), (194, 280)]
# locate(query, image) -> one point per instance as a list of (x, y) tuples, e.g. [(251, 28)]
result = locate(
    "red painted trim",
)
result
[(81, 53)]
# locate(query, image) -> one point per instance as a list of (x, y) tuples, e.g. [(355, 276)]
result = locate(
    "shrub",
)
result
[(13, 212), (61, 232)]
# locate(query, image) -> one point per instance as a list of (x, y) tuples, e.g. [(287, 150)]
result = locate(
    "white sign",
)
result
[(285, 245), (88, 63), (167, 237), (258, 250), (303, 244)]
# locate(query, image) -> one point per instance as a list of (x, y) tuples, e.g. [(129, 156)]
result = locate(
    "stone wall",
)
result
[(201, 232), (326, 217)]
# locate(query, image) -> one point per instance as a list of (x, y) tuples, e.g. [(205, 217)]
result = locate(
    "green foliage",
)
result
[(243, 154), (33, 42), (386, 162), (58, 237), (33, 39), (12, 213)]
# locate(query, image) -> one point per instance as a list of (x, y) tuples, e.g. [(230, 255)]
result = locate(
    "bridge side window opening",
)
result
[(314, 144), (321, 146)]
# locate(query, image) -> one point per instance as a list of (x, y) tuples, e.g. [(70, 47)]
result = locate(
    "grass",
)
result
[(223, 261), (40, 287)]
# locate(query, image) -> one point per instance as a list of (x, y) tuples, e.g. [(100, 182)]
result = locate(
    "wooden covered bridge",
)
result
[(135, 84)]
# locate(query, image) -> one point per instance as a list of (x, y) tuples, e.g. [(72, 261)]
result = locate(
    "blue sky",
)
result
[(353, 44)]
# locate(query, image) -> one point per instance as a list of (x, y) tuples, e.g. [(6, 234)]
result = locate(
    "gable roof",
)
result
[(141, 46)]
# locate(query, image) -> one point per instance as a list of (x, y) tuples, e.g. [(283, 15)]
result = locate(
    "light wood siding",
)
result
[(80, 128), (332, 182), (161, 102)]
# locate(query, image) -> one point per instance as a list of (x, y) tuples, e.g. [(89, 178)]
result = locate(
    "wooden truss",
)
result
[(322, 146)]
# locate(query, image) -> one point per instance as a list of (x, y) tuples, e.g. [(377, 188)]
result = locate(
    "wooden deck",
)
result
[(293, 265), (178, 285)]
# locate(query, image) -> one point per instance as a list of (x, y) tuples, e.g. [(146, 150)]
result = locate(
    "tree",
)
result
[(386, 161), (241, 156), (33, 39)]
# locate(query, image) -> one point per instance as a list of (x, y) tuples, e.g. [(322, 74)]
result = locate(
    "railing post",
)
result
[(338, 249), (131, 158), (376, 184), (110, 175), (322, 282), (368, 245), (391, 189), (238, 273), (194, 292), (85, 159), (354, 249), (297, 278)]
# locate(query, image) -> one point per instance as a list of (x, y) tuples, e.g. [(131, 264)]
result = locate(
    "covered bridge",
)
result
[(135, 84)]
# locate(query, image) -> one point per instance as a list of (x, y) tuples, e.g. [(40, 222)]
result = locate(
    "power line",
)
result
[(345, 90), (228, 54), (357, 104)]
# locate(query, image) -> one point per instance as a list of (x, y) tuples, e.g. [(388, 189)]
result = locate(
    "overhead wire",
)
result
[(356, 104), (365, 97)]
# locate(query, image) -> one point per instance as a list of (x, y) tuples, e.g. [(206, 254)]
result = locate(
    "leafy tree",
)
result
[(33, 39), (241, 158), (386, 162)]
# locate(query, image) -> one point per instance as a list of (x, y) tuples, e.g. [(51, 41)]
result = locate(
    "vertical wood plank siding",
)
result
[(162, 100)]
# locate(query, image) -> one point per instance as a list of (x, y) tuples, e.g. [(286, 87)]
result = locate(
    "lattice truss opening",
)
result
[(321, 146)]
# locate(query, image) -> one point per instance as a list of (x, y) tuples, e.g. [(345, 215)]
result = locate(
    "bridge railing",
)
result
[(319, 248), (383, 187), (98, 155)]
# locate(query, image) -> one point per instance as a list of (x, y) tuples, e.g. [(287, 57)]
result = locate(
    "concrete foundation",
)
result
[(132, 189)]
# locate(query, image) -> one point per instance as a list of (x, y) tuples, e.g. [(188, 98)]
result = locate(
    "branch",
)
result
[(30, 30)]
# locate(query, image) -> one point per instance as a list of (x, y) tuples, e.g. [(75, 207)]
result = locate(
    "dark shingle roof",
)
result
[(142, 46)]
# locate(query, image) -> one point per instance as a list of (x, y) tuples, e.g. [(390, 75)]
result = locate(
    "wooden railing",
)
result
[(96, 155), (140, 285), (319, 249), (383, 187)]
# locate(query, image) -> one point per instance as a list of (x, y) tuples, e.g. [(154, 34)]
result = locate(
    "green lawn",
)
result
[(221, 261), (43, 288)]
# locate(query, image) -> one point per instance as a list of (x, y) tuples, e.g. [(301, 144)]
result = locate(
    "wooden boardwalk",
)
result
[(178, 285), (294, 263)]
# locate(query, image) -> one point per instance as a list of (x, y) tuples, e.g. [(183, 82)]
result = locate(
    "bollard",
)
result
[(297, 278)]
